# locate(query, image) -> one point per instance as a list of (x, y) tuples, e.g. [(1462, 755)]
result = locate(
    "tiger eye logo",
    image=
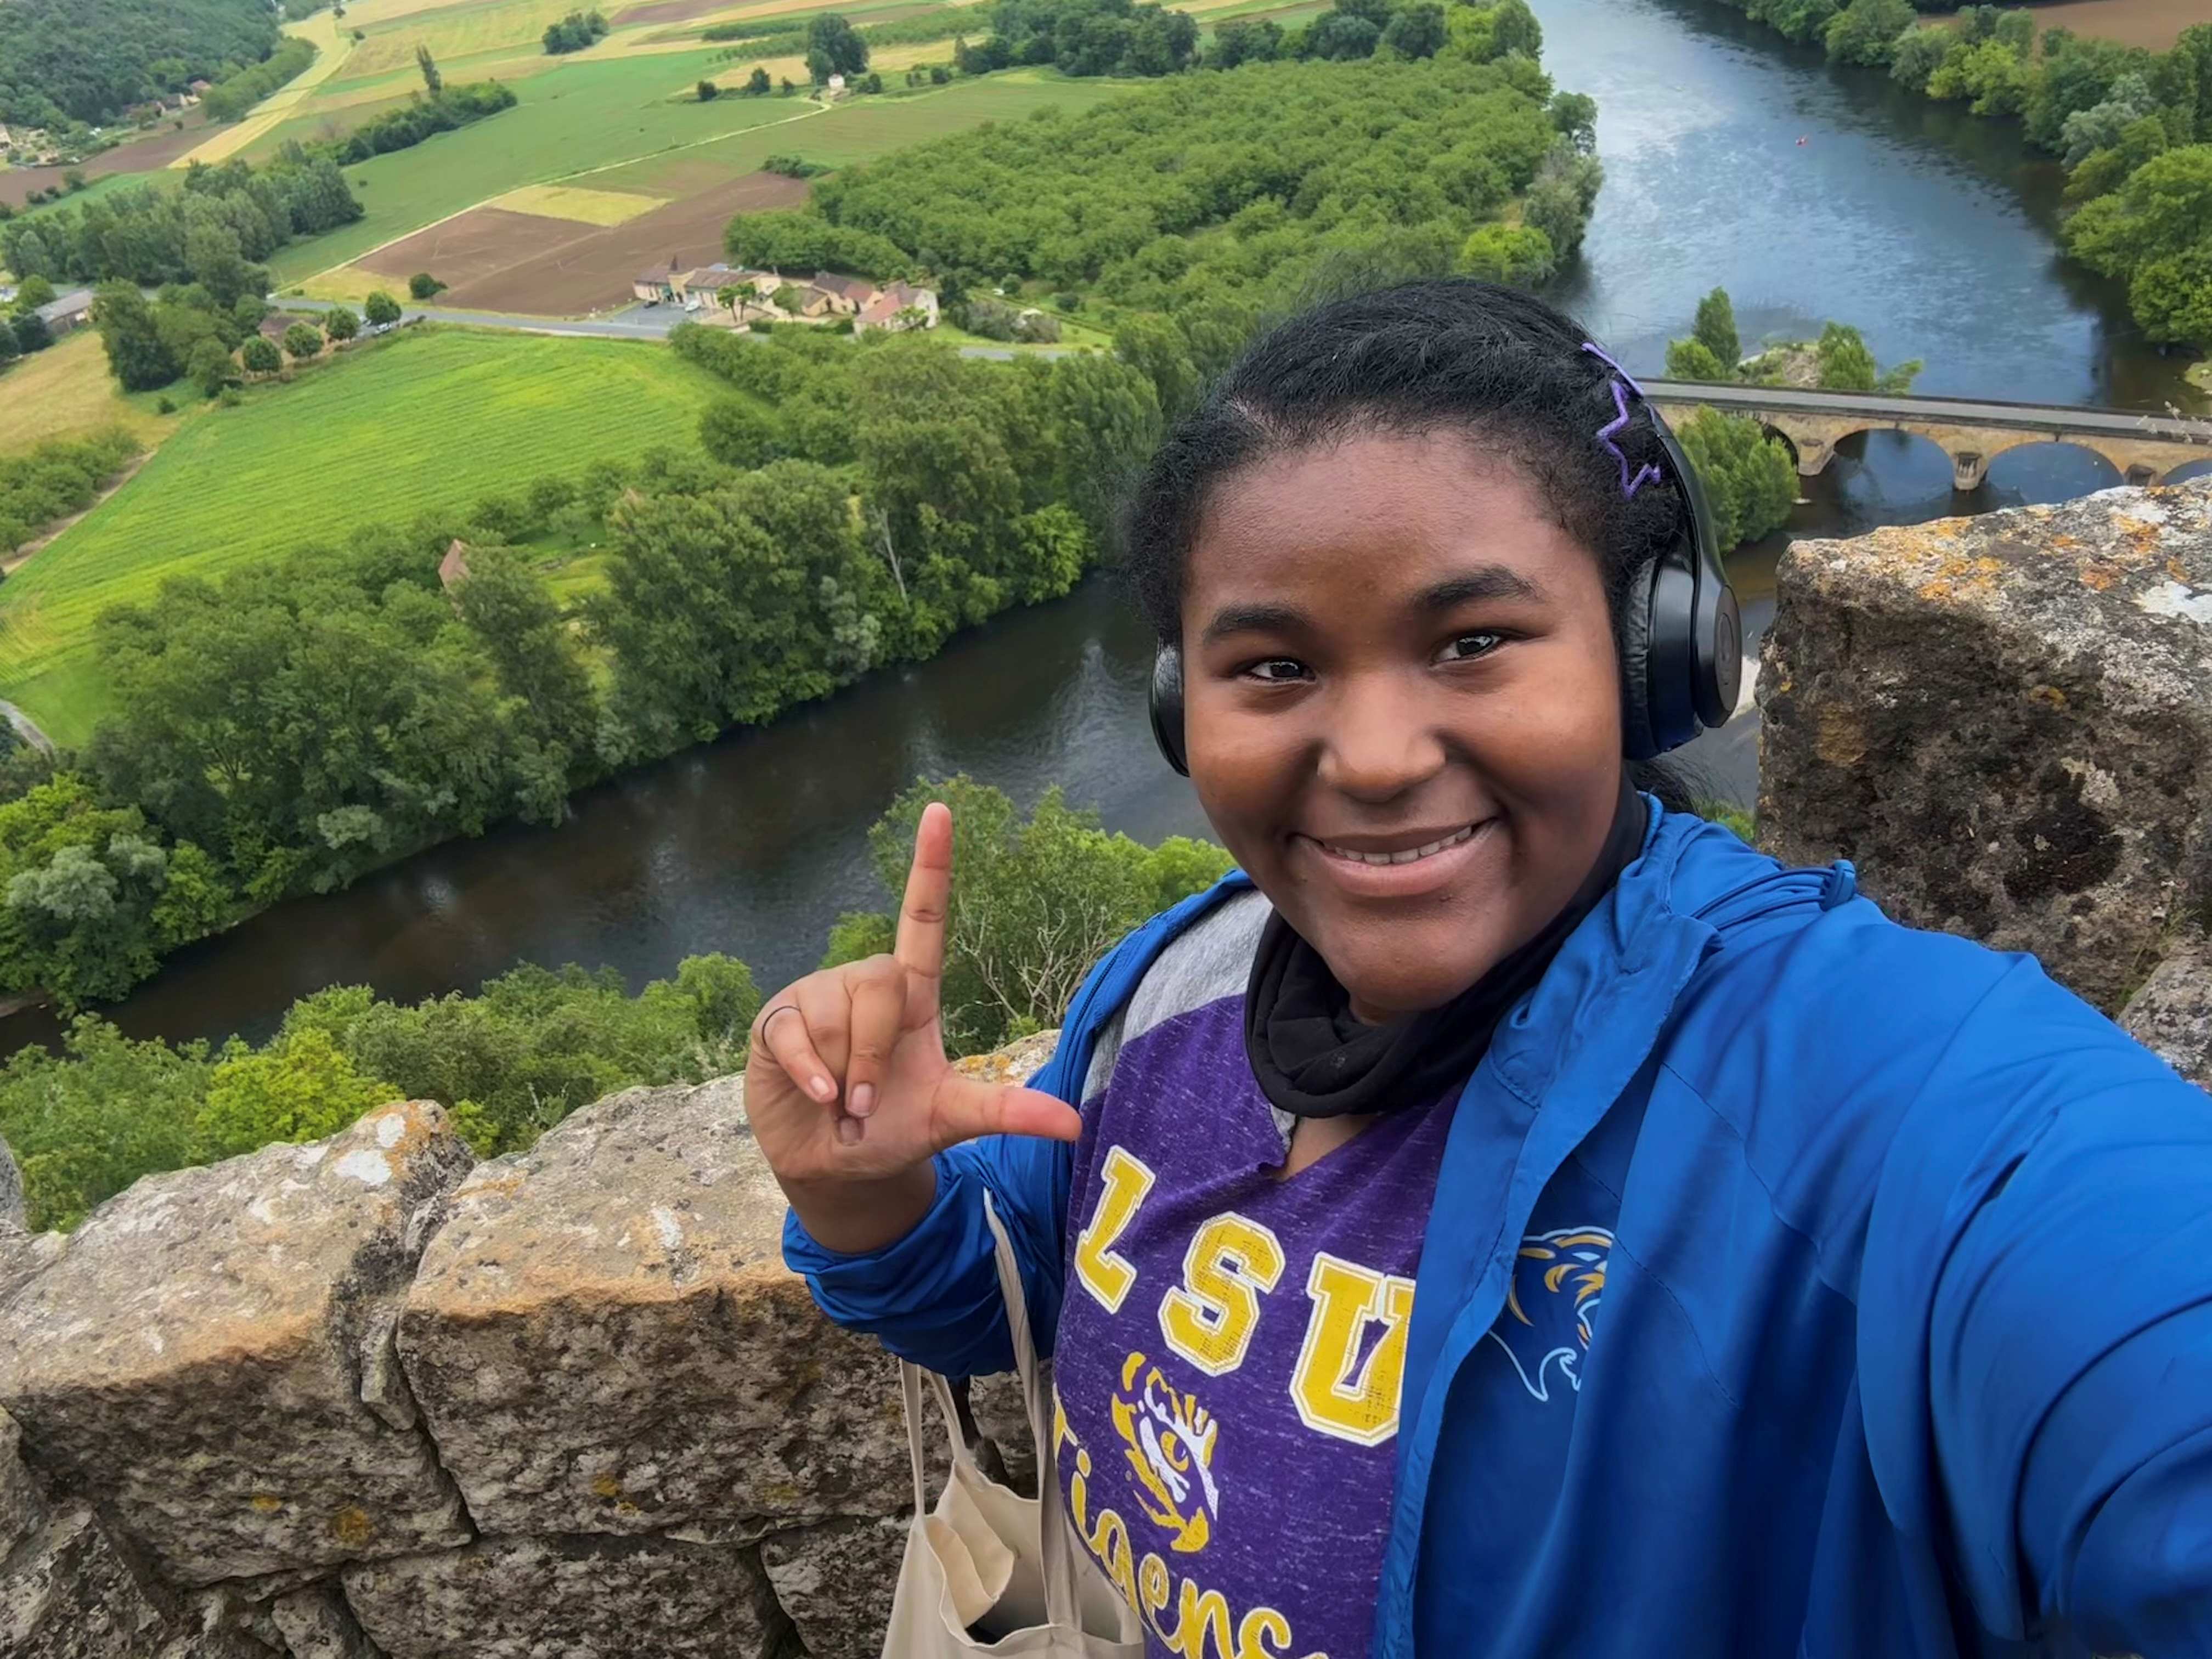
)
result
[(1169, 1439)]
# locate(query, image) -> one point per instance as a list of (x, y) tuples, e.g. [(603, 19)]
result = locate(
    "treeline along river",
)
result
[(1929, 228)]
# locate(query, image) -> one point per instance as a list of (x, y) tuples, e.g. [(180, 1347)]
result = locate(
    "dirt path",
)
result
[(26, 727), (332, 48), (21, 556)]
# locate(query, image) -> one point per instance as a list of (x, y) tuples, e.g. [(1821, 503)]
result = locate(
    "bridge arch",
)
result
[(2112, 473)]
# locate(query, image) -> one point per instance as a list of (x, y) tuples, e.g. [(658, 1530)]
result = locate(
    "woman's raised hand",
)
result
[(848, 1082)]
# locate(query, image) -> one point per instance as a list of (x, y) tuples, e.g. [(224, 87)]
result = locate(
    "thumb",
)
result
[(966, 1108)]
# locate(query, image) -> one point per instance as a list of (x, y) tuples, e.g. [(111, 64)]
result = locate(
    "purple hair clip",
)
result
[(1647, 473)]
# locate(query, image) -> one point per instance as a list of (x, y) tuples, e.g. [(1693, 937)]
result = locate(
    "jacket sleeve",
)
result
[(932, 1297), (2036, 1326)]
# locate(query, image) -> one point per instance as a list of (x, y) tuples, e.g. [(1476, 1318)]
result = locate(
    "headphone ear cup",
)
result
[(1638, 741), (1166, 700)]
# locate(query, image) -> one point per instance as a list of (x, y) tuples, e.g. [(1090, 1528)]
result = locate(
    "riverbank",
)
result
[(2109, 111), (1927, 227)]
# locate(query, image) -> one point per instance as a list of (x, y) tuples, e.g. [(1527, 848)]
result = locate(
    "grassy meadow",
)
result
[(66, 391), (429, 419)]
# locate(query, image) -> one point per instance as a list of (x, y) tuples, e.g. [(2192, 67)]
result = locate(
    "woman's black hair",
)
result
[(1500, 366)]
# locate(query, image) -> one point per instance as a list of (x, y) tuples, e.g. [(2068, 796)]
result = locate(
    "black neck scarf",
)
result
[(1313, 1059)]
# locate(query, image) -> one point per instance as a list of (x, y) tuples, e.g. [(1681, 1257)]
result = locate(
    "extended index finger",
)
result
[(921, 947)]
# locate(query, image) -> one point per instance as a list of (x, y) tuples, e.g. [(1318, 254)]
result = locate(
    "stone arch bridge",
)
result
[(2142, 448)]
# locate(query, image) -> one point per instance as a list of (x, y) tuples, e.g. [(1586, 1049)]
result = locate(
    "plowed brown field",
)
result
[(491, 259)]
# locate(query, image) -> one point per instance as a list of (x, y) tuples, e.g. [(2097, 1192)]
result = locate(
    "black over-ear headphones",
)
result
[(1682, 646)]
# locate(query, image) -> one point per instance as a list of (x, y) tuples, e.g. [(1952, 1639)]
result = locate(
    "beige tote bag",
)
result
[(987, 1558)]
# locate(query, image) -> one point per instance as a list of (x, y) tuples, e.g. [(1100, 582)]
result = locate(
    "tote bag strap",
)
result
[(1056, 1543)]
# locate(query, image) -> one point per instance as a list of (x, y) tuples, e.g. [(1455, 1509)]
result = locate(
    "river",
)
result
[(1930, 229)]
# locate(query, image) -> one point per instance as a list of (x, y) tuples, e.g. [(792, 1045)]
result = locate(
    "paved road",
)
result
[(636, 322)]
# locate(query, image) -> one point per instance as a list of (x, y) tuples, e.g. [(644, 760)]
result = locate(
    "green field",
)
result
[(575, 117), (611, 123), (866, 128), (430, 419)]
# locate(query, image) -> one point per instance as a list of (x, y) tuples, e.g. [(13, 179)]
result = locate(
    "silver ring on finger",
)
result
[(760, 1031)]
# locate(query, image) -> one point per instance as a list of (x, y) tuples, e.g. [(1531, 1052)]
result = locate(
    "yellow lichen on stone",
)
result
[(1841, 742), (352, 1527), (2049, 695), (268, 1503), (605, 1486)]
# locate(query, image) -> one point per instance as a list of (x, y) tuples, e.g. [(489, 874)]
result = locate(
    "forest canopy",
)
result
[(1237, 186), (89, 60)]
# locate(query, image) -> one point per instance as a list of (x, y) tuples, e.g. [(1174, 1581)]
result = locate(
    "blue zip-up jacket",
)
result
[(1907, 1338)]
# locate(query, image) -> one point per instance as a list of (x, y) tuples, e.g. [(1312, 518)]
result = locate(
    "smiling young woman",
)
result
[(1509, 1216)]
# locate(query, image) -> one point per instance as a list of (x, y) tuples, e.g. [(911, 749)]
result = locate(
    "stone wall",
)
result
[(367, 1397), (2006, 723)]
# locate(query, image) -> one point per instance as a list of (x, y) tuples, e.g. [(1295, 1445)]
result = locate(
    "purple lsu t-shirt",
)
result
[(1231, 1349)]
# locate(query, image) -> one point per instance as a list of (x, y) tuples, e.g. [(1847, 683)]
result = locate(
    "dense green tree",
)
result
[(1159, 350), (300, 1087), (712, 609), (1519, 254), (740, 434), (303, 340), (1560, 198), (1417, 31), (1341, 34), (756, 83), (260, 356), (137, 353), (1037, 901), (834, 47), (31, 291), (380, 308), (55, 478), (1268, 152), (2101, 125), (340, 322), (1693, 360), (87, 1122), (31, 333), (1919, 52), (1245, 40), (1103, 418), (210, 367), (578, 30), (1715, 329), (1749, 479), (87, 61), (1867, 31), (2154, 232), (530, 645), (433, 82)]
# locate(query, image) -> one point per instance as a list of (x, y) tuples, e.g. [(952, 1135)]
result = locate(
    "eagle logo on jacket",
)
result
[(1558, 1279)]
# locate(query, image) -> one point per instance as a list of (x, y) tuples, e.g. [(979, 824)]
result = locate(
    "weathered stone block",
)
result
[(22, 1507), (2006, 722), (316, 1622), (836, 1581), (11, 1190), (23, 1256), (570, 1598), (197, 1356), (68, 1592), (604, 1338), (2171, 1014)]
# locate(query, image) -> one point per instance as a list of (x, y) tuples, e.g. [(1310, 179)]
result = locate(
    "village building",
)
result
[(844, 295), (898, 307), (66, 313)]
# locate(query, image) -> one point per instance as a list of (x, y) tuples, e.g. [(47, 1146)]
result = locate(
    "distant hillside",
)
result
[(64, 61)]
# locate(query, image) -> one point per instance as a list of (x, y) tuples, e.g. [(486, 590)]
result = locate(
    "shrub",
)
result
[(422, 285)]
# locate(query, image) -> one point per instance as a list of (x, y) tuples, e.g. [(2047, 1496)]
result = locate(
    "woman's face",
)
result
[(1402, 706)]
